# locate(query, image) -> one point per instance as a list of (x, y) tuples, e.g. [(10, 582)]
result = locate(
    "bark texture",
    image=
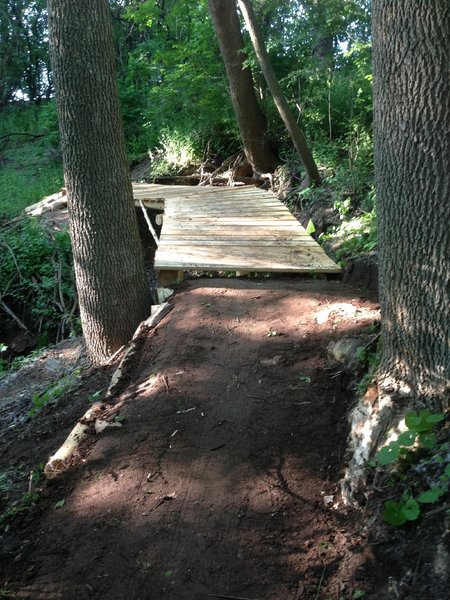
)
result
[(412, 116), (312, 173), (251, 120), (113, 294)]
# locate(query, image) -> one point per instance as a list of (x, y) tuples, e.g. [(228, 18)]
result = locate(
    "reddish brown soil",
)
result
[(223, 480)]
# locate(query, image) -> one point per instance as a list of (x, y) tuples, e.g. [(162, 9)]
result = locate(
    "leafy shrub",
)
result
[(423, 467), (36, 279)]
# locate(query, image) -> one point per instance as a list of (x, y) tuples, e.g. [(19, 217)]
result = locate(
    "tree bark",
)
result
[(312, 173), (251, 120), (411, 126), (412, 115), (113, 294)]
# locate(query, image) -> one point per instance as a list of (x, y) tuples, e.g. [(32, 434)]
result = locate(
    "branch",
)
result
[(12, 315), (32, 135), (222, 167)]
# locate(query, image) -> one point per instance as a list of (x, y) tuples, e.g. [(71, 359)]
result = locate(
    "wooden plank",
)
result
[(241, 223), (242, 258), (258, 234), (236, 218), (217, 210), (318, 267), (214, 229), (289, 253), (184, 203), (175, 241)]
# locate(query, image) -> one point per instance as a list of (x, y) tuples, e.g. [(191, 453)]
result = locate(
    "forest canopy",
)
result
[(172, 82)]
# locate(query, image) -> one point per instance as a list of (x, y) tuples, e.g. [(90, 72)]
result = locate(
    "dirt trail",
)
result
[(221, 481)]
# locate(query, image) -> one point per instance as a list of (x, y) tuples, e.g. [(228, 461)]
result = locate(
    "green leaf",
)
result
[(310, 227), (430, 496), (407, 438), (412, 421), (435, 418), (428, 440), (410, 509), (447, 471), (393, 514), (60, 504), (388, 453)]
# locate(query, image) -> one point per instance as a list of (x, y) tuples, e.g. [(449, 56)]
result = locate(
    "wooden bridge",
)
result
[(241, 229)]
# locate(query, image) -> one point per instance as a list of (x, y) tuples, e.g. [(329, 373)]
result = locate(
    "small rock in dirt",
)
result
[(441, 562), (52, 365), (345, 350), (272, 362)]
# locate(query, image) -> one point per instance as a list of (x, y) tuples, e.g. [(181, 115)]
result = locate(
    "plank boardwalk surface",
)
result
[(230, 229)]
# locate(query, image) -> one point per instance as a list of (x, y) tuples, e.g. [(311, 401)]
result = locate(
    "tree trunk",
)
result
[(252, 122), (113, 294), (412, 116), (312, 173)]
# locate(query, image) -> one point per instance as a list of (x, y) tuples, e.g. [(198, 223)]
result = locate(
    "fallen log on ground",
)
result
[(99, 414), (57, 463)]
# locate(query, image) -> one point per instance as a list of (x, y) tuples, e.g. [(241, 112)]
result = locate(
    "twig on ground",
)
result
[(320, 583), (163, 499), (437, 511)]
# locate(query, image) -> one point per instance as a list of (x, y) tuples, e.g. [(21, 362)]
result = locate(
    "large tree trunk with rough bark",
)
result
[(312, 172), (412, 114), (251, 120), (113, 294)]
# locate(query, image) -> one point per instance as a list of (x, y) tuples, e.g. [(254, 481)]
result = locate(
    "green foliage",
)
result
[(409, 450), (173, 86), (419, 429), (174, 153), (31, 168), (310, 228), (172, 80), (23, 36), (18, 494), (62, 386), (397, 513), (36, 278)]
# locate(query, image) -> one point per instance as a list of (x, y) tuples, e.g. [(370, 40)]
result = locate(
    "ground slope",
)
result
[(222, 479)]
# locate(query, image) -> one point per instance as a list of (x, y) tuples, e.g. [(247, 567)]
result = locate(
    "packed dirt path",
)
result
[(223, 480)]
